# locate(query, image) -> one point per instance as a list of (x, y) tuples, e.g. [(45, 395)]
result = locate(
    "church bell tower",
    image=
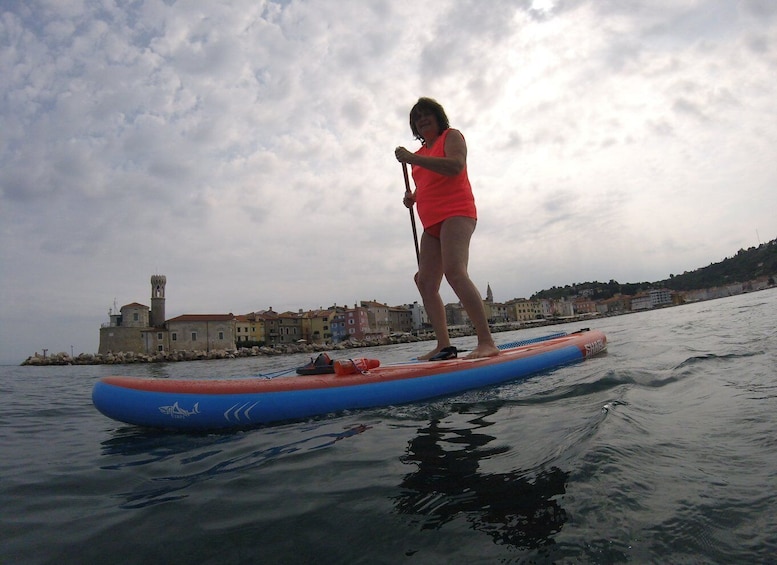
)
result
[(158, 283)]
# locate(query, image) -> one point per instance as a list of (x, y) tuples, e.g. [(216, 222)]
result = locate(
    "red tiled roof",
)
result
[(133, 305), (203, 318), (266, 315)]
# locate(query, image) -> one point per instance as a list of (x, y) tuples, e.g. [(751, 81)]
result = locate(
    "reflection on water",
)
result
[(209, 456), (515, 508)]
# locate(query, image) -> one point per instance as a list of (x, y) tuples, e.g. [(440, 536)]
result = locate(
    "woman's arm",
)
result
[(451, 165)]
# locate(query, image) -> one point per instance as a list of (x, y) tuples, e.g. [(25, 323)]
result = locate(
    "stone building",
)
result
[(128, 330), (140, 329), (351, 323), (523, 310), (199, 332), (378, 318), (400, 320), (316, 325)]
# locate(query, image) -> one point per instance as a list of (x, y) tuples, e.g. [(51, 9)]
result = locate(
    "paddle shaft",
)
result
[(412, 216)]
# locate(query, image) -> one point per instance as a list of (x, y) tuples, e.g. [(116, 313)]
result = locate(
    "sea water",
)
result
[(663, 450)]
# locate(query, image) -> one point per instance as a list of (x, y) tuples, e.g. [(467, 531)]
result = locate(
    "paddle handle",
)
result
[(412, 216)]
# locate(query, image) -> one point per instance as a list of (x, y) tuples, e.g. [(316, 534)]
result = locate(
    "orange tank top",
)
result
[(439, 197)]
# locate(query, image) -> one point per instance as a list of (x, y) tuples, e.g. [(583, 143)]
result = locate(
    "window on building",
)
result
[(136, 316), (160, 347), (221, 336), (159, 336), (174, 336), (194, 336)]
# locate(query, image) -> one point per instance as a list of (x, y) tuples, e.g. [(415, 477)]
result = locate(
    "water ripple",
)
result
[(662, 451), (186, 450)]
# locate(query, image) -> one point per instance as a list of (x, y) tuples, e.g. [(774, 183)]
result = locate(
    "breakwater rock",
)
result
[(129, 357)]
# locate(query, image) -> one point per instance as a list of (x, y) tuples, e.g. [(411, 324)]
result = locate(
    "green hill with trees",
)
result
[(746, 265)]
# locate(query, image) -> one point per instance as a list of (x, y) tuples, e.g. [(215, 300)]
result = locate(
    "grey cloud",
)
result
[(248, 133), (355, 113), (761, 9)]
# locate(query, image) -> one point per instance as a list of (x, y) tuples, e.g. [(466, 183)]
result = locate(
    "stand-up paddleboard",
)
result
[(202, 404)]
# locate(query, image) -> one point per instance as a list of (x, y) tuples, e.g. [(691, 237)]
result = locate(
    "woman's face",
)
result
[(425, 122)]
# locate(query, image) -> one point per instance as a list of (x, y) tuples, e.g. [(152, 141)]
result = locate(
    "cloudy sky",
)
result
[(244, 149)]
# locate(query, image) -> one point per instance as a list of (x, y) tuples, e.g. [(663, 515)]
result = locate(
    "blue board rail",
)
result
[(206, 404)]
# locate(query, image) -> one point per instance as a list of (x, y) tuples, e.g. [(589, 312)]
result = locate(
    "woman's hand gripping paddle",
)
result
[(412, 216)]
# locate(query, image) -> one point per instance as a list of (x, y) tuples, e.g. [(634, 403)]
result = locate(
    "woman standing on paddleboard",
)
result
[(447, 211)]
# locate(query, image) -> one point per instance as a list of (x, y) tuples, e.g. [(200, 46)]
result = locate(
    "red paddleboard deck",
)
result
[(208, 404)]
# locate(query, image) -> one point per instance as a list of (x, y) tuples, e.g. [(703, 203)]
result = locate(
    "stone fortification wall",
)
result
[(120, 338), (127, 357)]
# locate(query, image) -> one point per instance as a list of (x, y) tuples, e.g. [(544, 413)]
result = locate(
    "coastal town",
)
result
[(140, 333)]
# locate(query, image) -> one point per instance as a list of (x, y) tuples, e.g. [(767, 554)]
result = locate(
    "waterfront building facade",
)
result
[(200, 332), (125, 330), (400, 320), (289, 328), (377, 317), (418, 314), (584, 305), (137, 328), (243, 330), (269, 323), (351, 323), (456, 315), (523, 310), (660, 297), (140, 329), (316, 325)]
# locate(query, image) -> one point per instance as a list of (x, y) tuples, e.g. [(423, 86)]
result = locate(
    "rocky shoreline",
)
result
[(130, 357), (122, 358)]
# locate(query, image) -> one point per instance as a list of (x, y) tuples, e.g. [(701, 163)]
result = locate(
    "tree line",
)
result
[(746, 265)]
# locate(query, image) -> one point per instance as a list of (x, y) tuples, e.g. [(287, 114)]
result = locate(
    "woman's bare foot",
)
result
[(485, 350)]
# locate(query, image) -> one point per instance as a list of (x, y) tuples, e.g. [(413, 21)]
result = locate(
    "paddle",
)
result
[(412, 216)]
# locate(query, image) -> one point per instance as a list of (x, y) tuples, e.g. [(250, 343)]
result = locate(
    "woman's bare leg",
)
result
[(455, 237), (428, 279)]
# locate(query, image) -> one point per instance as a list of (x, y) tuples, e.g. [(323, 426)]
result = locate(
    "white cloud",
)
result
[(244, 149)]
